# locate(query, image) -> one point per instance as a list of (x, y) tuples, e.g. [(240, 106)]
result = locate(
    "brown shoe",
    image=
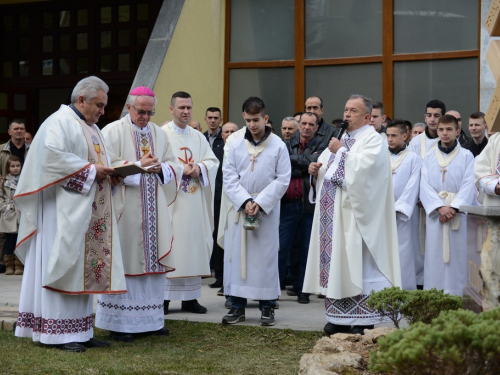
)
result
[(9, 264), (19, 267)]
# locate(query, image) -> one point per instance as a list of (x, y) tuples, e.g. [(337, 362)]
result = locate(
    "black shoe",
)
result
[(73, 347), (276, 305), (160, 332), (2, 268), (227, 304), (93, 343), (322, 296), (360, 329), (123, 337), (267, 317), (217, 284), (291, 293), (220, 292), (165, 307), (303, 298), (332, 329), (234, 315), (193, 306)]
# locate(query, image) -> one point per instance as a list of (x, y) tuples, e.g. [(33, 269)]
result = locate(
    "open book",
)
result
[(125, 170)]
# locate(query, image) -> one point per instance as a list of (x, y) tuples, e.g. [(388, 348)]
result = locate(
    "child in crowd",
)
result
[(9, 215), (406, 181), (256, 175)]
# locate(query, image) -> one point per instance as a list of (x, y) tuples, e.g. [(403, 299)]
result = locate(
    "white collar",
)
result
[(356, 133), (136, 128), (178, 130)]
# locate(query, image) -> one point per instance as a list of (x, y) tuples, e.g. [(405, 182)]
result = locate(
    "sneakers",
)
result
[(227, 304), (267, 317), (220, 292), (234, 316)]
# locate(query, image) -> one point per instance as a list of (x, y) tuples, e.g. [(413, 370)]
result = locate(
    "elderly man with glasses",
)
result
[(141, 204)]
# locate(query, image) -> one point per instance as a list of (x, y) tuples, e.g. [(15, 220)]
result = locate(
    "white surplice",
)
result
[(487, 172), (55, 194), (421, 144), (266, 184), (458, 186), (191, 214), (406, 181), (144, 227)]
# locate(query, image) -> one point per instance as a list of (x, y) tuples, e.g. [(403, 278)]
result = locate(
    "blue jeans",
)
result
[(241, 303), (292, 222)]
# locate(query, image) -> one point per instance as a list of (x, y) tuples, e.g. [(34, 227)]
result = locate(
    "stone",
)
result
[(331, 364), (9, 325), (492, 21), (372, 335)]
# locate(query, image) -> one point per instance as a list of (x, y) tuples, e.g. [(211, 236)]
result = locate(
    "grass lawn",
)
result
[(191, 348)]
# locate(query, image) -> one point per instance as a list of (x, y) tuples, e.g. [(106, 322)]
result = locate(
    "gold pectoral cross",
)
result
[(253, 159), (443, 170)]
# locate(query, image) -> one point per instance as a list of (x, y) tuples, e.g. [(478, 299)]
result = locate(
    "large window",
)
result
[(403, 53)]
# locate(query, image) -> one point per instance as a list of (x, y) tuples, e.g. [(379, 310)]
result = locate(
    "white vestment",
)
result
[(192, 213), (455, 189), (487, 172), (406, 181), (251, 264), (144, 227), (56, 195), (364, 249), (418, 146)]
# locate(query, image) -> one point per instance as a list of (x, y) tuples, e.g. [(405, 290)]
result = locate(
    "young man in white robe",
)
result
[(194, 205), (487, 172), (354, 244), (447, 182), (421, 145), (405, 166), (68, 238), (256, 175), (144, 227)]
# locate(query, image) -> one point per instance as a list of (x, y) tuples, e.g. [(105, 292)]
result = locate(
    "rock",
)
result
[(331, 364), (372, 335)]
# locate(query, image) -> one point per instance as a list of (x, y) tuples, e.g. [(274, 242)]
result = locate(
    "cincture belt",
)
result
[(455, 224)]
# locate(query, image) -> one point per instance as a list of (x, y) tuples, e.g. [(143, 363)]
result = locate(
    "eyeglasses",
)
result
[(142, 112)]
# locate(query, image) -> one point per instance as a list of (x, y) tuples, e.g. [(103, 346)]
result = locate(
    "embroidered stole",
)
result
[(98, 240)]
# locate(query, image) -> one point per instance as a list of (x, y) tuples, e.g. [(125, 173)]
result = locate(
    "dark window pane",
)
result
[(123, 62), (48, 43), (24, 45), (123, 38), (4, 100), (24, 22), (105, 63), (82, 65), (8, 22), (106, 15), (24, 68), (64, 65), (124, 13), (19, 102), (8, 45), (64, 42), (64, 18), (142, 36), (48, 20), (82, 17), (138, 57), (3, 125), (142, 12), (81, 41), (7, 69), (47, 67), (105, 39)]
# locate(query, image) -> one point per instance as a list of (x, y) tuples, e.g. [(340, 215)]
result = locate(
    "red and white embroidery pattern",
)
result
[(54, 326), (78, 180)]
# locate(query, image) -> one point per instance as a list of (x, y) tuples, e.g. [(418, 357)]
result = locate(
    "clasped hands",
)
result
[(152, 162), (192, 170), (252, 208), (446, 214)]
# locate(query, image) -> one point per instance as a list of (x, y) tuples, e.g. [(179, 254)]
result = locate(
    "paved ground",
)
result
[(291, 314)]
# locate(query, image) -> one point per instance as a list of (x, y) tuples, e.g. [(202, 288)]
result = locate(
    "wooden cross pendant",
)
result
[(253, 159), (393, 171), (443, 169)]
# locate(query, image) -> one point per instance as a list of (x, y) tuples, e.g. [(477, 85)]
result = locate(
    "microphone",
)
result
[(343, 126)]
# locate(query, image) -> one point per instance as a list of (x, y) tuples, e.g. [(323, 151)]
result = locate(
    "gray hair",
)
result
[(366, 101), (88, 88), (420, 125), (132, 98), (291, 119)]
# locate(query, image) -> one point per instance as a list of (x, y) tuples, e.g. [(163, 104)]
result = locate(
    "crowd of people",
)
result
[(333, 210)]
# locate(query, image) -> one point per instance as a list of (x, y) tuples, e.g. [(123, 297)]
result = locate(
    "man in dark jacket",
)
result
[(325, 132), (296, 210)]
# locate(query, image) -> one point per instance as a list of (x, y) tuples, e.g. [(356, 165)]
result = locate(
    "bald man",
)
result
[(462, 138), (227, 129), (195, 125)]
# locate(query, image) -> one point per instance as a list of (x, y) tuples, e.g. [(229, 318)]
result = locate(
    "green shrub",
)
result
[(457, 342), (415, 305)]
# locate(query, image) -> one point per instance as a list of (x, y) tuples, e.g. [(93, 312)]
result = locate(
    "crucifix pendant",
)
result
[(443, 170), (253, 159), (393, 171)]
